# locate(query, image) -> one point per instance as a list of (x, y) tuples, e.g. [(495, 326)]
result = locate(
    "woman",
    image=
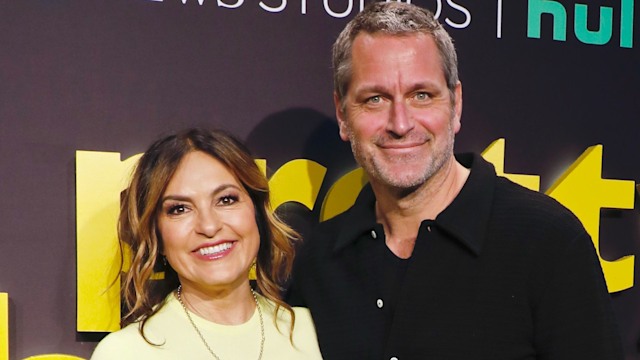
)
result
[(198, 207)]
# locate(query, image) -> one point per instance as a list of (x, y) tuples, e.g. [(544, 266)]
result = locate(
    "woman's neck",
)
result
[(222, 306)]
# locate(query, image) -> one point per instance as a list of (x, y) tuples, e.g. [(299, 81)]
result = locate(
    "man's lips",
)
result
[(400, 146), (405, 142)]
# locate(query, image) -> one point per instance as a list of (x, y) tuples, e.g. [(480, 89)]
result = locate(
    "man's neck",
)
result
[(401, 211)]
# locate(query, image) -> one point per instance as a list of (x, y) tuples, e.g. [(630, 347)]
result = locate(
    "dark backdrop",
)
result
[(113, 75)]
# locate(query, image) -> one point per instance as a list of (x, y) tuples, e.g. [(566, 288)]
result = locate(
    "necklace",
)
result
[(255, 298)]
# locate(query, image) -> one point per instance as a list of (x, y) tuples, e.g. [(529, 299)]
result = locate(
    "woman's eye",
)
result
[(228, 200), (177, 209)]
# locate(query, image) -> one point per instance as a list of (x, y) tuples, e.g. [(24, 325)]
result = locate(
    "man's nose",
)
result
[(400, 121)]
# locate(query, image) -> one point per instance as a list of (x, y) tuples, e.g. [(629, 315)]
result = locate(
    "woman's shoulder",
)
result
[(304, 327), (121, 344), (303, 315), (128, 342), (305, 344)]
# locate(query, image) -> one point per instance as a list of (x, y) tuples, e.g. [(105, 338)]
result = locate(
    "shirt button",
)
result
[(373, 234), (379, 303), (394, 358)]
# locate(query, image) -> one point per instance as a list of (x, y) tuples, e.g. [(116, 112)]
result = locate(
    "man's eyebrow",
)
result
[(375, 88)]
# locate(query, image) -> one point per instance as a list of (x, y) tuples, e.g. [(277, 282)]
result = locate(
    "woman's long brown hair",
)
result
[(137, 226)]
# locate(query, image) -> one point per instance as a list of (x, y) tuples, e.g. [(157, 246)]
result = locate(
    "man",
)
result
[(439, 258)]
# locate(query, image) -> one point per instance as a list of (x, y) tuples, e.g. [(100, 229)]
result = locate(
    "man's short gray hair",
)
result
[(392, 18)]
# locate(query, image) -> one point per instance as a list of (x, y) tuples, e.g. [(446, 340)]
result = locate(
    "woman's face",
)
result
[(208, 227)]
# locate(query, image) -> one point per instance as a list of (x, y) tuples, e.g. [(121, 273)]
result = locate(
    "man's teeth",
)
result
[(215, 249)]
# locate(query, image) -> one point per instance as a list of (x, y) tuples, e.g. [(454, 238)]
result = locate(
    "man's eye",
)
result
[(374, 99), (422, 96)]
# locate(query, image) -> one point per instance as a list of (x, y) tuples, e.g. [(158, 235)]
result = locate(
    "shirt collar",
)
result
[(359, 219), (466, 219)]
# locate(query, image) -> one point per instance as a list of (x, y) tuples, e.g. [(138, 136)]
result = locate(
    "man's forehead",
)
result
[(369, 36), (376, 45), (382, 54)]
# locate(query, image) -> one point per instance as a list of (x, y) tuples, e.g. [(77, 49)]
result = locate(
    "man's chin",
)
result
[(402, 180)]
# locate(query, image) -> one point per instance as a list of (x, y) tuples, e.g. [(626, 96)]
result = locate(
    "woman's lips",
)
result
[(214, 251)]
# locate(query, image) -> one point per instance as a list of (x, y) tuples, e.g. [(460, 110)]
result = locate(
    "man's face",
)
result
[(398, 113)]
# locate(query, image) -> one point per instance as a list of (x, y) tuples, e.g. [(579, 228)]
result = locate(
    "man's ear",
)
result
[(340, 116), (457, 108)]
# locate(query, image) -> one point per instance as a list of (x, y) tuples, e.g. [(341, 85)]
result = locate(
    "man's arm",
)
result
[(574, 318)]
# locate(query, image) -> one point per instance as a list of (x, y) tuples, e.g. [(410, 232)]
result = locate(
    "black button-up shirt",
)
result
[(502, 273)]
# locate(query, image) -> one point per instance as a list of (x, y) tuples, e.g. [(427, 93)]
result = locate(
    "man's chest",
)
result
[(445, 302)]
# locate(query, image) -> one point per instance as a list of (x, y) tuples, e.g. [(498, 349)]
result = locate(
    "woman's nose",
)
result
[(207, 223)]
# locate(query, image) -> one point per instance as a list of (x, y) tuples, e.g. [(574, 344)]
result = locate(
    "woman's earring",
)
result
[(252, 270)]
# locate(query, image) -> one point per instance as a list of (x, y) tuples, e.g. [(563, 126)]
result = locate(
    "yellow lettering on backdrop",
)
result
[(54, 357), (298, 181), (582, 189), (4, 326), (342, 194), (262, 165), (494, 153), (100, 177)]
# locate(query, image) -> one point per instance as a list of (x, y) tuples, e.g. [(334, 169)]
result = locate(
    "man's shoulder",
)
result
[(508, 193), (334, 224), (517, 203), (325, 234)]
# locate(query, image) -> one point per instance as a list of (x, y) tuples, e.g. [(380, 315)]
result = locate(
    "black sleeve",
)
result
[(293, 294), (574, 318)]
